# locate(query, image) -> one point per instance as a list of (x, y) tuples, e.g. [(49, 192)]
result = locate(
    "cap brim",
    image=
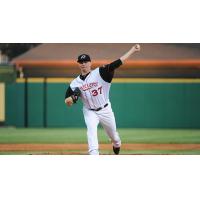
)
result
[(83, 61)]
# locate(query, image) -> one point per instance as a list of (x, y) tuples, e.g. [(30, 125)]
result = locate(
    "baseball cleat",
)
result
[(116, 150)]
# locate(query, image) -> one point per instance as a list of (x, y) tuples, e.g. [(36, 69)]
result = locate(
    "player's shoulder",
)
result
[(96, 70), (75, 81)]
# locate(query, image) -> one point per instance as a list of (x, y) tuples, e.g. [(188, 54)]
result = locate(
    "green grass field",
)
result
[(78, 136)]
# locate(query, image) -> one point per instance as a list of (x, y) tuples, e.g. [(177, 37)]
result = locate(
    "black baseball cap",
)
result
[(83, 58)]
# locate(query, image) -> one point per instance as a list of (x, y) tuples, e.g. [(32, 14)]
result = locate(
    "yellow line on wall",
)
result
[(35, 80), (59, 80), (30, 80), (117, 80), (20, 80), (155, 80)]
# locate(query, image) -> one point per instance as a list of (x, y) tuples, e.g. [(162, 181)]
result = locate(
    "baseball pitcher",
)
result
[(92, 87)]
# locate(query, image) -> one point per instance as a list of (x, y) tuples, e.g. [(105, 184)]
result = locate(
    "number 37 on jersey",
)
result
[(97, 91)]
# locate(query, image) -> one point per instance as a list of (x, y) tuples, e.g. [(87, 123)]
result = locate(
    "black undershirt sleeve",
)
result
[(107, 71), (69, 92)]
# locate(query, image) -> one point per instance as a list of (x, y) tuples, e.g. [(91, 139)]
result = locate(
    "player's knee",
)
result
[(91, 128)]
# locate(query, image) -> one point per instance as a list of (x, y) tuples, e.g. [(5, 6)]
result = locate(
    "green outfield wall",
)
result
[(137, 103), (15, 104)]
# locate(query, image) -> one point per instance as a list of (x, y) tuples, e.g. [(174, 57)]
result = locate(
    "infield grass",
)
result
[(78, 136)]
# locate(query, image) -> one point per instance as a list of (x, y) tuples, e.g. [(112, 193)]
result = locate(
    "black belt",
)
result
[(98, 109)]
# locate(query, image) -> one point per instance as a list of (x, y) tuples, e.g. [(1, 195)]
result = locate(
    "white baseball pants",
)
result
[(107, 119)]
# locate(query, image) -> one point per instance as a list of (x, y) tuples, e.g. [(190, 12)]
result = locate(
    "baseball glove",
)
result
[(76, 95)]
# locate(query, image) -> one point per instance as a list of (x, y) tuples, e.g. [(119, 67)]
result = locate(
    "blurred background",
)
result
[(156, 88)]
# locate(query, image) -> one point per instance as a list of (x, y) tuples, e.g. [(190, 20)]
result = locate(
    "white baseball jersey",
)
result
[(95, 87), (94, 90)]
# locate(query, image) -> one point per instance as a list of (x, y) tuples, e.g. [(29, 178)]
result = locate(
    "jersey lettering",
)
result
[(88, 86)]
